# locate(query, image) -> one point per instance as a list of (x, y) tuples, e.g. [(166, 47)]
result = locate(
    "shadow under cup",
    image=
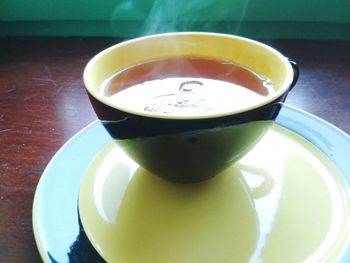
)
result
[(189, 149)]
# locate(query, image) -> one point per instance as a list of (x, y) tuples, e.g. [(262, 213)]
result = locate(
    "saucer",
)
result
[(288, 199)]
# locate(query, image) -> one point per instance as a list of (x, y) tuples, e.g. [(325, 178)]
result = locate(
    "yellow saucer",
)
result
[(283, 202)]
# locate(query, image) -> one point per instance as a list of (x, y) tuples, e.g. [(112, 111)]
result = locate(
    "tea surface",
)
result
[(186, 86)]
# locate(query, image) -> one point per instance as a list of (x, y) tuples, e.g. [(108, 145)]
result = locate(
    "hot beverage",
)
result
[(186, 86), (185, 106)]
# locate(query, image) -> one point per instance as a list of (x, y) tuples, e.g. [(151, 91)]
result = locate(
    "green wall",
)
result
[(313, 19)]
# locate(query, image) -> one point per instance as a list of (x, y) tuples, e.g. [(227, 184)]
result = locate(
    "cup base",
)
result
[(195, 156)]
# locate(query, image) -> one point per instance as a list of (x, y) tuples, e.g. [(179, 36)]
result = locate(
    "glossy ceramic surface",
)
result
[(284, 199)]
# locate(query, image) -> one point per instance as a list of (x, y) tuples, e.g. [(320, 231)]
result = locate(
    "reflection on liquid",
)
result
[(283, 202)]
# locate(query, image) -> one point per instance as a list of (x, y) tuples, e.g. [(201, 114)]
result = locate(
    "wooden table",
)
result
[(43, 103)]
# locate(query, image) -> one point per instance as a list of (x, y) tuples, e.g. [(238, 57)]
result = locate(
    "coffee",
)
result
[(186, 86)]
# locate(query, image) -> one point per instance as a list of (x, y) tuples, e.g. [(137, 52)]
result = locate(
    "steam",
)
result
[(160, 16), (180, 15)]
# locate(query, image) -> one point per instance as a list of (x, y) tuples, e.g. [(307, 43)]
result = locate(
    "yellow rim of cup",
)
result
[(257, 56)]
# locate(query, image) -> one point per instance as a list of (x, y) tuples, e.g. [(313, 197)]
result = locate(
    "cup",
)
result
[(193, 147)]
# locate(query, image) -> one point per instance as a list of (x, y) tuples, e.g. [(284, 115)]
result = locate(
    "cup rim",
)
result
[(284, 87)]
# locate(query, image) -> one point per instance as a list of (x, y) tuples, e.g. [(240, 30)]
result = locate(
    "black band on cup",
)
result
[(139, 127)]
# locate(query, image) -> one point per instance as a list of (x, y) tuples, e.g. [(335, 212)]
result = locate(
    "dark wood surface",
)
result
[(43, 103)]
